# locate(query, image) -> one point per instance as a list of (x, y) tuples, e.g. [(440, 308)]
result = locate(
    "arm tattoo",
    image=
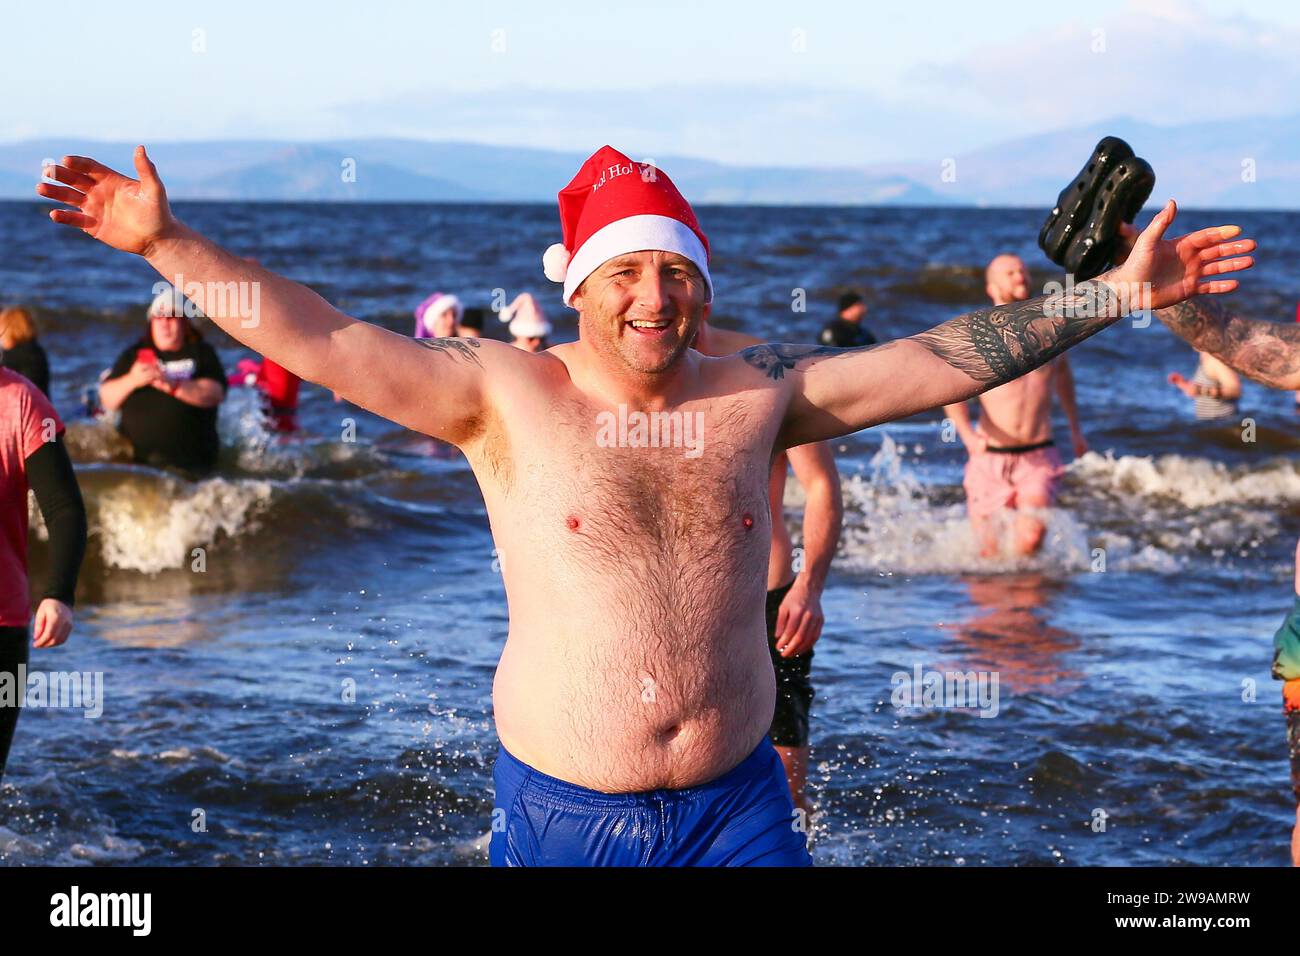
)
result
[(1002, 343), (773, 360), (453, 346), (1268, 352)]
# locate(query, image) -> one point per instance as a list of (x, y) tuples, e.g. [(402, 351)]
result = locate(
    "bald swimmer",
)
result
[(1014, 468)]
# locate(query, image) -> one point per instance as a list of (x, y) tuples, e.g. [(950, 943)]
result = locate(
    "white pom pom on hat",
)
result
[(555, 262)]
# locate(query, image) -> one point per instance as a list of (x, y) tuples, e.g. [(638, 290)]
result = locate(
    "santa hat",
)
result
[(614, 206), (170, 301), (526, 318), (431, 308)]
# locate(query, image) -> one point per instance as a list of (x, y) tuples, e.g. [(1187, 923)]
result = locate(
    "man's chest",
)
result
[(622, 477)]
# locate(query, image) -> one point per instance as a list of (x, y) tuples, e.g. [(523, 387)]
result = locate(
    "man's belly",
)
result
[(620, 714), (1026, 426)]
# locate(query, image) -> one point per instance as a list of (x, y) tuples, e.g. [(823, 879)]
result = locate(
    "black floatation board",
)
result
[(1081, 231)]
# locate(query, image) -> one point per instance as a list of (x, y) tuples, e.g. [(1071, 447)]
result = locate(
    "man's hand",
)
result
[(975, 442), (53, 623), (1190, 389), (800, 619), (127, 214), (144, 374), (1080, 444), (1160, 272)]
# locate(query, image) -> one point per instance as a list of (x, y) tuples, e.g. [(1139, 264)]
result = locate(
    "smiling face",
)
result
[(642, 309)]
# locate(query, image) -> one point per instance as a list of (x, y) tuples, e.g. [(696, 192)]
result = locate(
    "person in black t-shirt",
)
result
[(168, 386), (19, 350), (847, 331)]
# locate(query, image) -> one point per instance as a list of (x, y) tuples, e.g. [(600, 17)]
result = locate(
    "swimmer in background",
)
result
[(436, 317), (848, 331), (279, 388), (19, 350), (529, 327), (1214, 388), (168, 385), (1014, 463)]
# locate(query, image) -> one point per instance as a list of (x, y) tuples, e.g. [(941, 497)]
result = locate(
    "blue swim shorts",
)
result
[(744, 818)]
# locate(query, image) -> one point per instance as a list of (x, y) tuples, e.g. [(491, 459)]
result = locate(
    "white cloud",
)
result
[(1162, 61)]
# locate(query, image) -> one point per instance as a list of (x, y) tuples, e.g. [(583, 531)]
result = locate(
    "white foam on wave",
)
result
[(1142, 514), (894, 524), (151, 526), (243, 426), (1192, 482)]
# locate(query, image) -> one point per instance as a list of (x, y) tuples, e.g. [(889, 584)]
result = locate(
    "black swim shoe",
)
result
[(1082, 230)]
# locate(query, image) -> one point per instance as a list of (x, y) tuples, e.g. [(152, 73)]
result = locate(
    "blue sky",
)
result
[(756, 82)]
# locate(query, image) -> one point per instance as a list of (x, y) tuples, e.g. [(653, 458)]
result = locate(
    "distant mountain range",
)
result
[(1252, 163)]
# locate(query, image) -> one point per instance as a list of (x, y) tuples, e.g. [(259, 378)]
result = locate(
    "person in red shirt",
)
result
[(32, 455), (279, 388)]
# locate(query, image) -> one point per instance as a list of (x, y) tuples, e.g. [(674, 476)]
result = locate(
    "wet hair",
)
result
[(18, 324), (848, 300), (472, 319)]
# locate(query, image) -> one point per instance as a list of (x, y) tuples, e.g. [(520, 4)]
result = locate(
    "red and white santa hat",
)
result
[(614, 206)]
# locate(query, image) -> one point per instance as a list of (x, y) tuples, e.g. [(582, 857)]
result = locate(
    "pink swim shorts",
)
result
[(996, 480)]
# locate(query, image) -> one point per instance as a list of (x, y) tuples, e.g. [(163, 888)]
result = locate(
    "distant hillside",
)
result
[(1202, 165)]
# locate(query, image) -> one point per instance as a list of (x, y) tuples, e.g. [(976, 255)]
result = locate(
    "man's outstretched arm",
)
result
[(1268, 352), (436, 386), (838, 391)]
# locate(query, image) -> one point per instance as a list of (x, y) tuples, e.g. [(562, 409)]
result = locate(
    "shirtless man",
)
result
[(634, 692), (1013, 460), (794, 600), (1269, 353)]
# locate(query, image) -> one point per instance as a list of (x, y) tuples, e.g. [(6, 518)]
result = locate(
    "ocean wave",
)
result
[(1191, 482), (1128, 513)]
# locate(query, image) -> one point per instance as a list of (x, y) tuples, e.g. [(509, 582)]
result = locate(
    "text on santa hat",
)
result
[(619, 169)]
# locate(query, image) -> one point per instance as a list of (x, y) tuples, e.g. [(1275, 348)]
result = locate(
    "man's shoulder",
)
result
[(722, 342)]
